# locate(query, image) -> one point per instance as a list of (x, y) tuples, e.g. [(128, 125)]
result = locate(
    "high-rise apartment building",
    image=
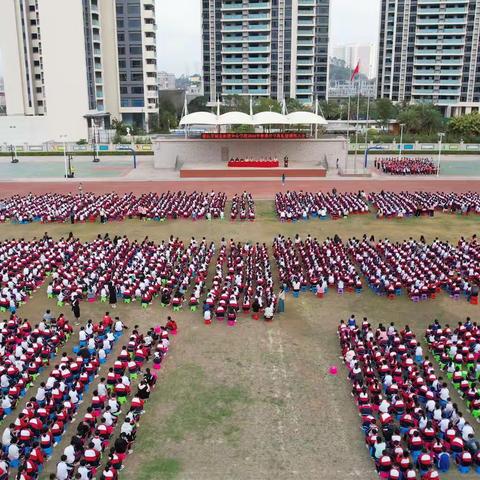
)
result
[(70, 63), (429, 52), (271, 48)]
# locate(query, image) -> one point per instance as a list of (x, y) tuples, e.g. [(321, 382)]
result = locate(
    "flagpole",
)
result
[(348, 127), (356, 128), (368, 117)]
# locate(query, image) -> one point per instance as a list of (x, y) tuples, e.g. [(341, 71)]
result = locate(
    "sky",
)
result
[(179, 30)]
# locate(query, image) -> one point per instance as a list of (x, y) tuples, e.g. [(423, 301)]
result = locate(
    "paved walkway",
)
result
[(260, 189)]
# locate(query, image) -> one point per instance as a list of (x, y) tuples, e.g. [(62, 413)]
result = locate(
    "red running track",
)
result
[(261, 190)]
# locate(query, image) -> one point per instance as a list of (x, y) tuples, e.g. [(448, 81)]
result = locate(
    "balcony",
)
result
[(265, 48), (262, 27), (230, 17)]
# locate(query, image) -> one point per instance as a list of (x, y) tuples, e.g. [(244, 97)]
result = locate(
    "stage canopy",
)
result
[(262, 118)]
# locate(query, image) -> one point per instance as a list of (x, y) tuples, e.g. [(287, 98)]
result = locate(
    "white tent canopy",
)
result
[(234, 118), (270, 118), (262, 118), (199, 118), (309, 118)]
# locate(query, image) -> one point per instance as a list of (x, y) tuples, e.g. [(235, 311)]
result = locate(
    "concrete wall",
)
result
[(304, 153)]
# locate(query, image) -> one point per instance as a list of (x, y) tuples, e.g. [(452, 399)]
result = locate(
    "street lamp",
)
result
[(13, 149), (402, 126), (64, 137), (96, 158), (440, 137)]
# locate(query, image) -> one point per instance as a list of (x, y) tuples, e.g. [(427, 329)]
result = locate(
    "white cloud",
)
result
[(179, 30)]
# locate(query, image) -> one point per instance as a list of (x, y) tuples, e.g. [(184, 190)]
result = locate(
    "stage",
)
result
[(208, 158)]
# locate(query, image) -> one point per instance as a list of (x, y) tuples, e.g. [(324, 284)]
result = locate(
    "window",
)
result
[(120, 9), (121, 50), (135, 37), (136, 64), (119, 23), (134, 10), (123, 77), (123, 90), (121, 37), (137, 90), (134, 23), (136, 77), (135, 50)]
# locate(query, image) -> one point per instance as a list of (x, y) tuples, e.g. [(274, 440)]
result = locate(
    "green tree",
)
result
[(423, 118), (265, 104), (383, 110), (332, 109), (293, 105), (235, 103), (167, 116), (198, 104), (466, 127)]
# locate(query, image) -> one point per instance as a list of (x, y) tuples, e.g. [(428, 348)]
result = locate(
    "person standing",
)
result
[(283, 179), (112, 293), (76, 307), (281, 301)]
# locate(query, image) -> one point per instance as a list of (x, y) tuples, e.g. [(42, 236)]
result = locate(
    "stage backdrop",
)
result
[(195, 153)]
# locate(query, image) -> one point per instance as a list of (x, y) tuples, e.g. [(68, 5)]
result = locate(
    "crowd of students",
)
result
[(457, 349), (29, 440), (412, 426), (293, 206), (88, 207), (406, 166), (243, 207), (25, 350), (310, 265), (242, 282), (407, 204), (390, 268), (112, 270), (93, 448), (421, 269)]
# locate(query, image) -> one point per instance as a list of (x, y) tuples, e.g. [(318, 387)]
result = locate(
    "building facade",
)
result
[(270, 48), (166, 81), (98, 62), (353, 54), (429, 52)]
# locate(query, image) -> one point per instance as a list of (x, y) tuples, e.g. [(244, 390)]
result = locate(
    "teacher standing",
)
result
[(76, 307), (112, 293)]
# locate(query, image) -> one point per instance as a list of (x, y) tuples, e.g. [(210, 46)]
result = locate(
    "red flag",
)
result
[(355, 72)]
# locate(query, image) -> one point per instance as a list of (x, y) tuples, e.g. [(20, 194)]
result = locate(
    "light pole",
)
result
[(64, 137), (14, 149), (440, 136), (402, 125), (96, 159)]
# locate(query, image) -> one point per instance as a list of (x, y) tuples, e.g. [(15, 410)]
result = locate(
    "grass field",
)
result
[(256, 401)]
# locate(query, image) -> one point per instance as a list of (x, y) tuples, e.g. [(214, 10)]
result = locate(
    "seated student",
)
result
[(268, 312)]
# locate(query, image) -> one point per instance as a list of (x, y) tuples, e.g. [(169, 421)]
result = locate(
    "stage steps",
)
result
[(252, 172)]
